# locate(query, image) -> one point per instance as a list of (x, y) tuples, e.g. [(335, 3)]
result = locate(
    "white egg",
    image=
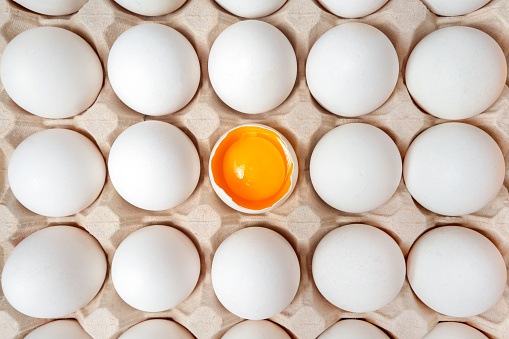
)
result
[(353, 329), (251, 8), (456, 72), (352, 8), (358, 268), (154, 165), (153, 69), (251, 167), (256, 329), (155, 268), (255, 273), (355, 168), (454, 169), (60, 329), (352, 69), (454, 7), (52, 7), (157, 329), (252, 66), (56, 172), (151, 7), (450, 330), (456, 271), (54, 272), (51, 72)]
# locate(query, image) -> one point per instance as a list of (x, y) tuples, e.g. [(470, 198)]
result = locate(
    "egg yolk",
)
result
[(253, 166)]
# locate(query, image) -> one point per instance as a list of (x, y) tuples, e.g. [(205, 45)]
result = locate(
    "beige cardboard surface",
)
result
[(304, 219)]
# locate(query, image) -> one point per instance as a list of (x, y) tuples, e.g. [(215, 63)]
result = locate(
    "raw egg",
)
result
[(253, 168)]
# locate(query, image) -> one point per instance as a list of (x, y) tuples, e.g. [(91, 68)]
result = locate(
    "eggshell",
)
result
[(456, 271), (456, 72), (56, 172), (157, 329), (151, 7), (153, 69), (154, 165), (358, 268), (54, 272), (229, 201), (51, 72), (353, 329), (355, 168), (352, 8), (155, 268), (454, 169), (449, 330), (252, 66), (52, 7), (60, 329), (251, 8), (255, 273), (454, 7), (352, 69), (256, 329)]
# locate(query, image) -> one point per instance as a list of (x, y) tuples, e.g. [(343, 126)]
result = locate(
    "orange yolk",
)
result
[(253, 166)]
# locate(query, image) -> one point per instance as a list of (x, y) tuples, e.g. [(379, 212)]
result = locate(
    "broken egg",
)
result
[(253, 168)]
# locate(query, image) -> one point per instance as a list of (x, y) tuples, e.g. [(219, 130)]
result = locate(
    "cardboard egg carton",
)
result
[(303, 219)]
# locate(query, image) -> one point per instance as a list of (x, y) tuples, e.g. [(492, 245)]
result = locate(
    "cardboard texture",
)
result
[(303, 219)]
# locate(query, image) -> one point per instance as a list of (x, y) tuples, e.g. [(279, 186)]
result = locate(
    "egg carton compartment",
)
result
[(303, 219)]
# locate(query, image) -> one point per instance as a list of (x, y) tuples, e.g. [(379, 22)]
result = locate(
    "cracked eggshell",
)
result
[(228, 200)]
